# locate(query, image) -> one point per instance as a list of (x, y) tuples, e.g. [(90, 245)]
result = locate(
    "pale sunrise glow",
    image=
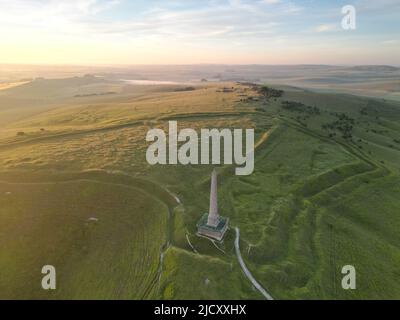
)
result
[(186, 32)]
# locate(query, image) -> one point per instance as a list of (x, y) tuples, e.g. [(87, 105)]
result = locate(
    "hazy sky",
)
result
[(201, 31)]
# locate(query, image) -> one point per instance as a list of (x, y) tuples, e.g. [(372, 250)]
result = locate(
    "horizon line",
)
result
[(195, 64)]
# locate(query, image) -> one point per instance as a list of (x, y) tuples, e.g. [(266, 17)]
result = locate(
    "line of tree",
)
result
[(268, 92), (344, 124), (294, 106)]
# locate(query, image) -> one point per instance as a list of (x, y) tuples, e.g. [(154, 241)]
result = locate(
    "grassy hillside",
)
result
[(104, 238), (323, 195)]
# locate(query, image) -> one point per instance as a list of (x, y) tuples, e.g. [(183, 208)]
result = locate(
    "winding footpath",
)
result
[(246, 271)]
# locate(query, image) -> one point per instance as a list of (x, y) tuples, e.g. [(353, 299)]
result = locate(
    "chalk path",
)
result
[(246, 271)]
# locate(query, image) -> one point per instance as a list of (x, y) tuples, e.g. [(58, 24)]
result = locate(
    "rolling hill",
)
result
[(76, 191)]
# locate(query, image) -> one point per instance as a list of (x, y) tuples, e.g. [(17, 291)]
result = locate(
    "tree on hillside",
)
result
[(268, 92)]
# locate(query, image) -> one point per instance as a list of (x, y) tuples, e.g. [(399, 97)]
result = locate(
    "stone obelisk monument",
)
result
[(213, 215), (211, 224)]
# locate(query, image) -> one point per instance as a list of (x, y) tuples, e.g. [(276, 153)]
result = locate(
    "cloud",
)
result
[(382, 6), (257, 26), (84, 16), (227, 20), (390, 42), (326, 28), (47, 16), (271, 1)]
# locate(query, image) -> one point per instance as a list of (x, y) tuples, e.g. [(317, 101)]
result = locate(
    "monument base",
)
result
[(216, 233)]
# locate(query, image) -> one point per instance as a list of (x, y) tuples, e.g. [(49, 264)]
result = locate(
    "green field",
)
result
[(104, 238), (324, 194)]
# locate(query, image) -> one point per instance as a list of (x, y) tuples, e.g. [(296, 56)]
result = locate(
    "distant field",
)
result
[(9, 85), (324, 194)]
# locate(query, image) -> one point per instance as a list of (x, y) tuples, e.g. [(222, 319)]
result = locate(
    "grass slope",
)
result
[(116, 257), (323, 195)]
